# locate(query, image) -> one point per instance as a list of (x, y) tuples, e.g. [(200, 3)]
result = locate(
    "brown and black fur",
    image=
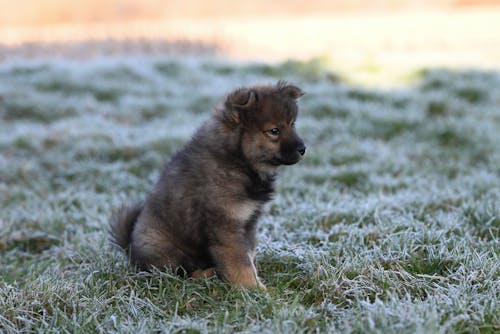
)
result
[(201, 216)]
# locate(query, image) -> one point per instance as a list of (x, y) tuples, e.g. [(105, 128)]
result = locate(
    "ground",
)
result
[(391, 224)]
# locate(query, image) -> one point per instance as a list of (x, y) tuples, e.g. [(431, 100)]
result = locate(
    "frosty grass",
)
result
[(390, 224)]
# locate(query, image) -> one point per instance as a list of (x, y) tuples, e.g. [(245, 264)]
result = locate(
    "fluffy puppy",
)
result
[(201, 216)]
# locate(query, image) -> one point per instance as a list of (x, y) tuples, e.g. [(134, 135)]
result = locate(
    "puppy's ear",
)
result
[(239, 100), (288, 90)]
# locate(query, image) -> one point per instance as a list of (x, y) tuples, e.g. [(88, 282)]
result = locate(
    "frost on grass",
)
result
[(390, 224)]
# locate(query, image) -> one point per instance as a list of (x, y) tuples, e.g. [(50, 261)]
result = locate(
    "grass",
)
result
[(390, 224)]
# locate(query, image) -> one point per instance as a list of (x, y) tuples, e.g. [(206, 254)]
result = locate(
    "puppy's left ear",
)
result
[(237, 102), (288, 90), (241, 99)]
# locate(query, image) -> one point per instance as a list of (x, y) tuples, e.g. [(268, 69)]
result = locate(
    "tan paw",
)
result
[(261, 285), (250, 282), (204, 273), (255, 285)]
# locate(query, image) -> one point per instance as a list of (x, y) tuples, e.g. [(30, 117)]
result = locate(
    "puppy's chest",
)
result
[(243, 210), (258, 192)]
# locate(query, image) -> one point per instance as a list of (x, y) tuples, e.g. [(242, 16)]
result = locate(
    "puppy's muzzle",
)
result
[(292, 151)]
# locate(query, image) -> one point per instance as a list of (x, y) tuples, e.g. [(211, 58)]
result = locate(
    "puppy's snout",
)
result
[(301, 149), (292, 150)]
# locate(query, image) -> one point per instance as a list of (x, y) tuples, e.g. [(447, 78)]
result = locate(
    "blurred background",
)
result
[(362, 37)]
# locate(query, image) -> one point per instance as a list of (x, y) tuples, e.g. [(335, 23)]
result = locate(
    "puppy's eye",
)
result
[(274, 132)]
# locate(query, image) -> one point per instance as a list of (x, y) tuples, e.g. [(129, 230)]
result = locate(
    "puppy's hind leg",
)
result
[(152, 249)]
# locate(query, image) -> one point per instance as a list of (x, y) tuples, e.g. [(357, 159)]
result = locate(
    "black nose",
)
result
[(301, 149)]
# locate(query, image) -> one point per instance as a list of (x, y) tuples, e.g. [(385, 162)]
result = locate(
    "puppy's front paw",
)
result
[(253, 285), (261, 285), (247, 279)]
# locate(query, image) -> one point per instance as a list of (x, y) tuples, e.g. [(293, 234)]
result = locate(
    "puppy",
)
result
[(201, 216)]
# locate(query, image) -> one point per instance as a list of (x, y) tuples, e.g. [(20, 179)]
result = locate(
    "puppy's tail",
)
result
[(122, 224)]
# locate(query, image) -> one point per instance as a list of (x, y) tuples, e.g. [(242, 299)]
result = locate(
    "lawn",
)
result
[(391, 223)]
